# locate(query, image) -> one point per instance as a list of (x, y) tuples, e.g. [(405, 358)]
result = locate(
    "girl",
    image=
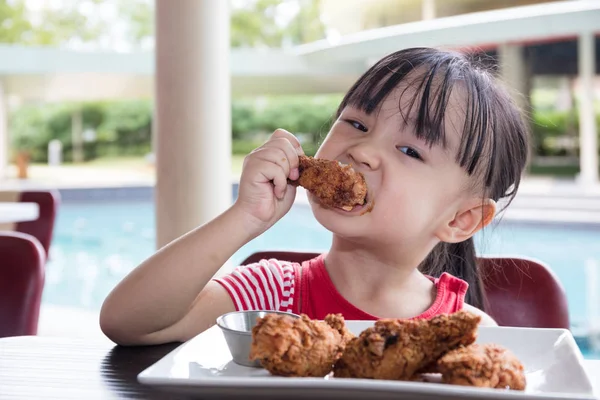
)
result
[(439, 143)]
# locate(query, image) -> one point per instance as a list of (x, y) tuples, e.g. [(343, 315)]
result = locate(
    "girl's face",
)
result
[(417, 189)]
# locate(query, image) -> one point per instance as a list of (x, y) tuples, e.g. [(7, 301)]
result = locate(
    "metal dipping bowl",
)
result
[(237, 329)]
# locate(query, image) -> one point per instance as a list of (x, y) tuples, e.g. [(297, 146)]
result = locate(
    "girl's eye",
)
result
[(357, 125), (409, 151)]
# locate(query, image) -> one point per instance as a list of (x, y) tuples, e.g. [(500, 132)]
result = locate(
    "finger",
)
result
[(282, 133), (280, 183), (273, 172), (290, 195), (290, 154), (274, 155)]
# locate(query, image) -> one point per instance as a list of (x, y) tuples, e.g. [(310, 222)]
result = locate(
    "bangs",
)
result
[(431, 76)]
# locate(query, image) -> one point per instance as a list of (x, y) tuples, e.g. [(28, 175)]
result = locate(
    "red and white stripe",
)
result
[(266, 285)]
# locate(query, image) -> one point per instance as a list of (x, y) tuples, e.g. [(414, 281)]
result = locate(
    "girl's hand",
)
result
[(264, 194)]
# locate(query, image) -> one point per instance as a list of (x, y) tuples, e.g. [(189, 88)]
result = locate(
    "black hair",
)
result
[(493, 148)]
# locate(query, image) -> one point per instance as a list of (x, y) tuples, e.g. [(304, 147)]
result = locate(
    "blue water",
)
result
[(97, 243)]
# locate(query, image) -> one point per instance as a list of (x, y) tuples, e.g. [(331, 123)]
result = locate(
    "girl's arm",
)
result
[(170, 296), (155, 302)]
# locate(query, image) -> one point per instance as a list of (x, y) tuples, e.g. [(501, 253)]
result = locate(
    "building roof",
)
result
[(45, 74), (528, 24)]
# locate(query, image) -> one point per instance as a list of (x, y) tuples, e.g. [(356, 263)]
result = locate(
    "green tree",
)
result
[(139, 15), (258, 23), (48, 26), (306, 26), (253, 25), (13, 22)]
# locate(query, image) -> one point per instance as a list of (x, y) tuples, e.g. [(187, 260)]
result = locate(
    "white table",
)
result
[(18, 212)]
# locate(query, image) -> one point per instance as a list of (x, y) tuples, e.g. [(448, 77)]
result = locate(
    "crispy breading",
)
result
[(302, 347), (334, 184), (482, 365), (397, 349)]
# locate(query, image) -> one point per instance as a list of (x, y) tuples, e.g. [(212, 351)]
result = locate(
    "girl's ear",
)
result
[(468, 221)]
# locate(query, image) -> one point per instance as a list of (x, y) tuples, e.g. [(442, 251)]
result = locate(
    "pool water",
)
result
[(97, 243)]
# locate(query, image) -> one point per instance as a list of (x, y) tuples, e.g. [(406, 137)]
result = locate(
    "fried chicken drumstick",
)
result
[(487, 365), (335, 184), (301, 347), (398, 349)]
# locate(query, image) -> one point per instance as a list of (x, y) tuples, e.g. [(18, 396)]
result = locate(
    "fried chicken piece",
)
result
[(335, 184), (336, 321), (397, 349), (289, 346), (482, 365)]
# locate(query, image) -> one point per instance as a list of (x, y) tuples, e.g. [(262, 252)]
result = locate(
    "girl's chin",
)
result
[(341, 222), (357, 210)]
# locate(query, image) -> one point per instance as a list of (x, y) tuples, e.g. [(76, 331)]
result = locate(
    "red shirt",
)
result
[(308, 289)]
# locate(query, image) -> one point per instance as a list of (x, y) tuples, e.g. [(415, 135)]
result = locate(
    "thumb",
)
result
[(289, 197)]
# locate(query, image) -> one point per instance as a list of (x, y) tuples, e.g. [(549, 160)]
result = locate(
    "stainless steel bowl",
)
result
[(237, 329)]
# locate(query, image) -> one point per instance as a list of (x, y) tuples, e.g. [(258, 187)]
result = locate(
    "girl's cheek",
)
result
[(328, 148)]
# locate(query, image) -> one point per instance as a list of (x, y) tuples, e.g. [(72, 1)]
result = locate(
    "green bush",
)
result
[(244, 147), (548, 125), (553, 123), (311, 115), (29, 130), (126, 124), (121, 127), (124, 128), (243, 119)]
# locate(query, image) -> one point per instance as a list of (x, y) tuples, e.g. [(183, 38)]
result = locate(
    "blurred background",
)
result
[(83, 81)]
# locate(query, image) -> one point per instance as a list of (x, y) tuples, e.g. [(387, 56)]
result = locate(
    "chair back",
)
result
[(525, 293), (42, 228), (519, 292), (22, 261)]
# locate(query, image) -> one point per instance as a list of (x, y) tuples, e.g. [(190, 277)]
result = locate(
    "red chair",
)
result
[(22, 260), (522, 292), (519, 292), (42, 228)]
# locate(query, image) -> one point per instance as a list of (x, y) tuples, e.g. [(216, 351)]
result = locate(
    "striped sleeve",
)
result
[(266, 285)]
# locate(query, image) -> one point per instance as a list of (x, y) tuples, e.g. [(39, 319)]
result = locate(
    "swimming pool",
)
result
[(97, 243)]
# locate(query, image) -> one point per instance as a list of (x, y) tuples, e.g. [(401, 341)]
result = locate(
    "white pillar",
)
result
[(588, 137), (4, 144), (516, 75), (193, 116), (514, 71), (428, 9)]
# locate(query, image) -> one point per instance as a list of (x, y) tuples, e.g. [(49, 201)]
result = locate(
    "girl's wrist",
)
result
[(247, 224)]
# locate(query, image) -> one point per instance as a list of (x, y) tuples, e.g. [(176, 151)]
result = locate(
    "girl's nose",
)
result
[(365, 155)]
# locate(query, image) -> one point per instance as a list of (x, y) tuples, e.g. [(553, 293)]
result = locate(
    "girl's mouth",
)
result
[(360, 208)]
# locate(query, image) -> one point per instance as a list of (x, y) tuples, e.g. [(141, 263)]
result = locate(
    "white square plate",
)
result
[(203, 366)]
